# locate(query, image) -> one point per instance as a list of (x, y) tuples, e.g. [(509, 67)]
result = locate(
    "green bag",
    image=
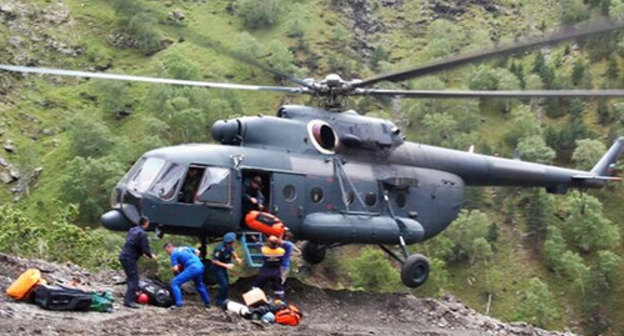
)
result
[(102, 302)]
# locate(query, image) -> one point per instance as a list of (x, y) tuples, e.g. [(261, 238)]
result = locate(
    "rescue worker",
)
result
[(252, 195), (222, 262), (288, 248), (187, 266), (271, 271), (136, 246)]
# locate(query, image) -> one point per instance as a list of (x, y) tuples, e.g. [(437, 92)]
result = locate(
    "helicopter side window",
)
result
[(146, 174), (191, 185), (215, 186), (166, 186)]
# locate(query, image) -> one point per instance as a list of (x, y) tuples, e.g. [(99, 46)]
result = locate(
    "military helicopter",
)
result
[(334, 177)]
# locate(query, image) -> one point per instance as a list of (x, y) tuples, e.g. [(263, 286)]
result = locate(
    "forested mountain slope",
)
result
[(554, 261)]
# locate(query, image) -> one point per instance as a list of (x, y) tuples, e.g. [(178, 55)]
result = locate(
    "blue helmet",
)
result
[(229, 237)]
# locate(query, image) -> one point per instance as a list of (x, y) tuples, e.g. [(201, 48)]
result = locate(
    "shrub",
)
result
[(57, 239), (537, 306), (89, 137), (371, 270), (260, 13), (88, 184)]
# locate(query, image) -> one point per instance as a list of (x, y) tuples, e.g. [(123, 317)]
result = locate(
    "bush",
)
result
[(371, 270), (260, 13), (537, 306), (146, 36), (469, 228), (89, 137), (57, 239), (88, 184)]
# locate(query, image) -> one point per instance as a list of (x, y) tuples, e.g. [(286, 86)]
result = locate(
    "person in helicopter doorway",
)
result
[(222, 262), (253, 199), (271, 270), (187, 266), (136, 246)]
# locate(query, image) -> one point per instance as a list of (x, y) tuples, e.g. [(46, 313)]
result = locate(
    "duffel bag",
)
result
[(157, 293), (54, 297)]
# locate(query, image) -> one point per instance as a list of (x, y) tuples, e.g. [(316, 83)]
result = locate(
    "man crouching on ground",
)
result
[(187, 266)]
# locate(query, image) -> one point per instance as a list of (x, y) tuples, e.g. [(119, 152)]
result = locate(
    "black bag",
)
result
[(54, 297), (158, 294)]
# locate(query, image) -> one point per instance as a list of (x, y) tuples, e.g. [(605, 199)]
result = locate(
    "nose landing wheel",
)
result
[(415, 271), (313, 253)]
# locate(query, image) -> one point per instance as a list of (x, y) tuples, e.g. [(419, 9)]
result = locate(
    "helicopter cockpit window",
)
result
[(145, 174), (166, 186), (215, 186)]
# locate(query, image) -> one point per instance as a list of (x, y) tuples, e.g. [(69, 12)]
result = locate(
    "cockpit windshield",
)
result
[(145, 174)]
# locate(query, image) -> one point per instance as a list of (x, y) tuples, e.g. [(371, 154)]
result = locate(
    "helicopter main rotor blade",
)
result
[(566, 33), (110, 76), (487, 94)]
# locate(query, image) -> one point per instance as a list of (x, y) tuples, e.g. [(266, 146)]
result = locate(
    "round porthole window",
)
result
[(316, 194), (401, 200), (370, 199), (289, 193)]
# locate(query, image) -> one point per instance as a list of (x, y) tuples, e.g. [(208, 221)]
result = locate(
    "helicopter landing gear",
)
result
[(414, 268), (313, 253)]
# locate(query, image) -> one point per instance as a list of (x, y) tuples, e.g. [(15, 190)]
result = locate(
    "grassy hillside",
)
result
[(311, 38)]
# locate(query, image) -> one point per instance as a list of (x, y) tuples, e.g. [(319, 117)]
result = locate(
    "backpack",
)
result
[(53, 297), (102, 302), (289, 316), (22, 289), (158, 294)]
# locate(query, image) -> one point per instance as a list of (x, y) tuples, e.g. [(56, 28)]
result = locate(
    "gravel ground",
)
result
[(327, 312)]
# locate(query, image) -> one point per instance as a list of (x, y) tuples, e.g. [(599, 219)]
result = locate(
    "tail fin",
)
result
[(602, 167)]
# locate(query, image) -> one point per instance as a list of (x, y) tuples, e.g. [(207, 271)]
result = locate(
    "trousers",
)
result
[(195, 273), (223, 280), (132, 278), (272, 276)]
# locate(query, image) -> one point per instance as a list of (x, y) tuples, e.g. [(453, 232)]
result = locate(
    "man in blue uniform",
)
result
[(136, 246), (271, 271), (222, 262), (186, 266)]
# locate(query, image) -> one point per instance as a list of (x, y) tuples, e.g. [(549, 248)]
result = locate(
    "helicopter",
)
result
[(334, 177)]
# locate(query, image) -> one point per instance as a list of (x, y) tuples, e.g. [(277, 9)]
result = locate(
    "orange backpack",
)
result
[(23, 288), (288, 316)]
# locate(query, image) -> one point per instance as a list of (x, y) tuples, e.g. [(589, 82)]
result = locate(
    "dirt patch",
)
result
[(327, 312)]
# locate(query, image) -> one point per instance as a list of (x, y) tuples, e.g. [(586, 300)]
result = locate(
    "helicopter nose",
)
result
[(115, 220)]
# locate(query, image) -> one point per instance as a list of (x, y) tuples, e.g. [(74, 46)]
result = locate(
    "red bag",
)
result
[(289, 316), (265, 222)]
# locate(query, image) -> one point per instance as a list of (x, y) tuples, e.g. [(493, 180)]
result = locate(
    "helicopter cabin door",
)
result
[(289, 199)]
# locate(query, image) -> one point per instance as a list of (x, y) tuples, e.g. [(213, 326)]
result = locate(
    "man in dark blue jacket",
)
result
[(136, 246), (252, 195)]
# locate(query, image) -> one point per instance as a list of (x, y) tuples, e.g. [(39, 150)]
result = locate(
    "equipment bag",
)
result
[(265, 222), (102, 302), (54, 297), (289, 316), (23, 288), (158, 294)]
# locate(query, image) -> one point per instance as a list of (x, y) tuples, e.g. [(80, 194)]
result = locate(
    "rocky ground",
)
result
[(327, 312)]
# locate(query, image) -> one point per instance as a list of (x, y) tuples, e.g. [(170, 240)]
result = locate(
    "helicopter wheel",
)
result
[(313, 253), (415, 271)]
